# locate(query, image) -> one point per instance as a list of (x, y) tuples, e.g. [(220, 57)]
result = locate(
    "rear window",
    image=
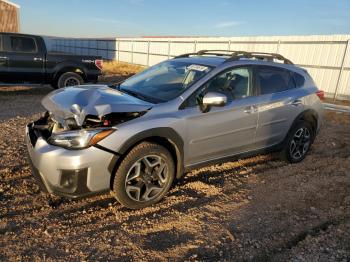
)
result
[(273, 80), (22, 44)]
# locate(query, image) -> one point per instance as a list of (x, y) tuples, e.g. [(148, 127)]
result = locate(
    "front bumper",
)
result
[(68, 173)]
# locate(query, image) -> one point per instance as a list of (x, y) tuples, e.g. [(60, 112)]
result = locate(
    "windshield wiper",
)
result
[(127, 91), (149, 99), (135, 94)]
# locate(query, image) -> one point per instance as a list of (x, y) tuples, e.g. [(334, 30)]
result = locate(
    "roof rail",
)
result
[(207, 52), (236, 55)]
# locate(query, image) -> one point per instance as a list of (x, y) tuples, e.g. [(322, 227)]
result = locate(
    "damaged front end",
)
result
[(81, 116), (78, 118), (69, 173), (72, 136)]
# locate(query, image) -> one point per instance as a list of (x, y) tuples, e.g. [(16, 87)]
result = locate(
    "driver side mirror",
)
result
[(212, 99)]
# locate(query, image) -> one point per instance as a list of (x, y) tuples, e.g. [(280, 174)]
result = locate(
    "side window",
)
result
[(273, 80), (299, 79), (0, 42), (22, 44), (234, 83)]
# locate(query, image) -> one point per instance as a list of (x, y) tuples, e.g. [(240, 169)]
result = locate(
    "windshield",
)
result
[(164, 81)]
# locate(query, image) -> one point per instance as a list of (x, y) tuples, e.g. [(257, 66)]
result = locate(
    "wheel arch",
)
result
[(310, 116), (69, 67), (163, 136)]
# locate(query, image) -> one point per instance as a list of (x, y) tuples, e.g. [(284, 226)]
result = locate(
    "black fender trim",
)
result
[(106, 149), (305, 115), (162, 132)]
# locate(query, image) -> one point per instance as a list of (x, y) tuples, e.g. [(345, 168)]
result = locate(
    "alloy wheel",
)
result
[(300, 143), (147, 178)]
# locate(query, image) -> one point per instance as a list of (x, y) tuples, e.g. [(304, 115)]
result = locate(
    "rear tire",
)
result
[(69, 79), (144, 176), (298, 142)]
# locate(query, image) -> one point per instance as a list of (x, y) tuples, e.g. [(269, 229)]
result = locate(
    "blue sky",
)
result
[(110, 18)]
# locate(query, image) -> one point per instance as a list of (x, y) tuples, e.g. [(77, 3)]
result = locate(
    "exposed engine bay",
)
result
[(88, 107), (48, 125)]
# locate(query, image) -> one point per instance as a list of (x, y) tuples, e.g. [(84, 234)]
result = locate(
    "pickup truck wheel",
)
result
[(69, 79), (144, 176)]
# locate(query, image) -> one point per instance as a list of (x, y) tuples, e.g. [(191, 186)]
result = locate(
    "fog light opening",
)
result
[(69, 179)]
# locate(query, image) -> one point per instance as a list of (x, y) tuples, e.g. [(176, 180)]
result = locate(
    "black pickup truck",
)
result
[(25, 59)]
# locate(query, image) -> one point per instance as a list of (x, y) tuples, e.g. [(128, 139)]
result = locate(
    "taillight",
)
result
[(320, 94), (99, 63)]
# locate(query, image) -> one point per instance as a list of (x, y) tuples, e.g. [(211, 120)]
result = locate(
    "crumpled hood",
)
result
[(97, 100)]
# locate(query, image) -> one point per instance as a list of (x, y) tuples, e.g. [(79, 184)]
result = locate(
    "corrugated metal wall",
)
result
[(107, 48), (326, 57), (9, 19)]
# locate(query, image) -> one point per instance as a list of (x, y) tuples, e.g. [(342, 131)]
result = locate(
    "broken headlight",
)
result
[(79, 139)]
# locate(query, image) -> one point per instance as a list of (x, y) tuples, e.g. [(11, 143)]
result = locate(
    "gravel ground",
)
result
[(254, 209)]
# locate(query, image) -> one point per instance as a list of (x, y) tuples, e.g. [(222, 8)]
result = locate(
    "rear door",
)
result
[(3, 62), (25, 62), (278, 104)]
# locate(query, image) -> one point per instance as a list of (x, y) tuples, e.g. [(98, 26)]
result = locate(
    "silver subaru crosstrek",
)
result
[(134, 138)]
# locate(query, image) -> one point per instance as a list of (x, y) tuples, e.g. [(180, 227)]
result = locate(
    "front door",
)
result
[(3, 63), (223, 131), (25, 62)]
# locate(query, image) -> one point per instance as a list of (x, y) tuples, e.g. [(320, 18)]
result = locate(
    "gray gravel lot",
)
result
[(257, 209)]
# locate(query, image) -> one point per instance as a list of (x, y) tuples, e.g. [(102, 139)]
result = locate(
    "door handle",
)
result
[(250, 109), (38, 59), (296, 102)]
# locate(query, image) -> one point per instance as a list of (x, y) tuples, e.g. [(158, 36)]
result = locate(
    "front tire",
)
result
[(298, 142), (69, 79), (144, 176)]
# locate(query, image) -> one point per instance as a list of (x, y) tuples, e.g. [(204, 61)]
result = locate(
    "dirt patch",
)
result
[(112, 79), (21, 100), (258, 208), (114, 72), (337, 117), (337, 102), (120, 68)]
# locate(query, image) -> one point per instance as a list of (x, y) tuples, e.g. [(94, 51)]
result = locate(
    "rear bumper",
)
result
[(93, 76), (68, 173), (92, 79)]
